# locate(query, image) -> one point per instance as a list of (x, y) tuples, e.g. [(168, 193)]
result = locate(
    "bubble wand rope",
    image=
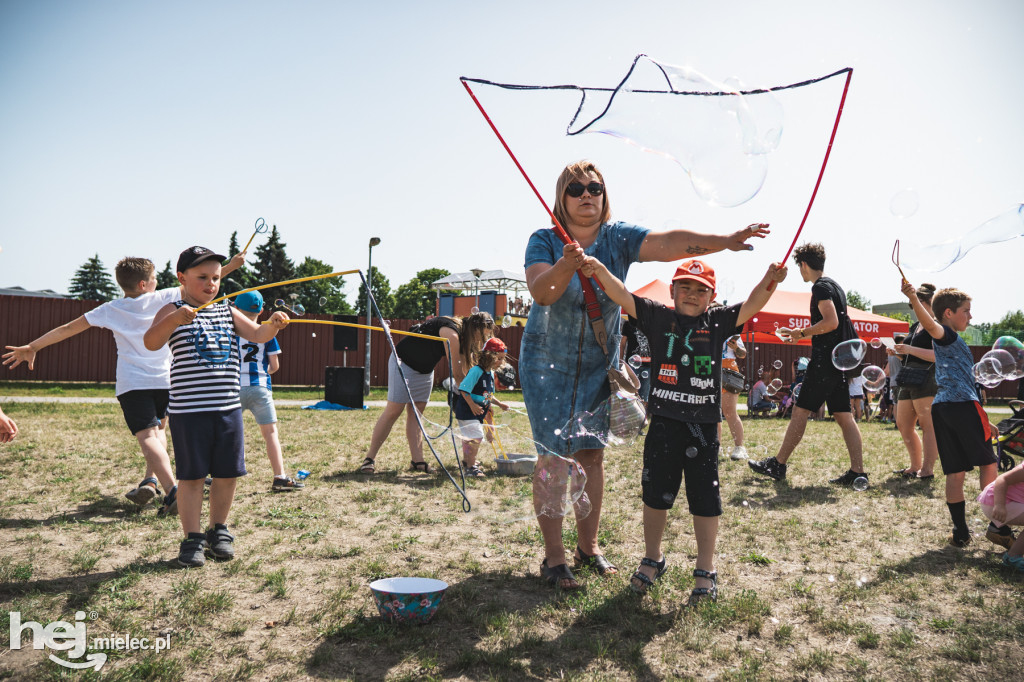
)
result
[(466, 505), (896, 259), (589, 297), (278, 284)]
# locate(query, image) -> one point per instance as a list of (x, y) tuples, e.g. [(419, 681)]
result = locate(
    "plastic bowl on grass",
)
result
[(408, 600), (516, 465)]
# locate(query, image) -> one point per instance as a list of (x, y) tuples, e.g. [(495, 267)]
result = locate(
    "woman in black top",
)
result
[(914, 403), (419, 357)]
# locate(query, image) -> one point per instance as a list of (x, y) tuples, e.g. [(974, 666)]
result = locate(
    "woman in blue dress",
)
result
[(562, 366)]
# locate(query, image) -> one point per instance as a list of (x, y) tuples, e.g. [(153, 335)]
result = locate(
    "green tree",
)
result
[(330, 290), (898, 316), (857, 300), (273, 265), (381, 289), (92, 282), (242, 278), (166, 278), (1012, 324), (415, 300)]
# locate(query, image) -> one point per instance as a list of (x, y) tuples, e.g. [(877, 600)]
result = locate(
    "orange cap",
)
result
[(697, 271)]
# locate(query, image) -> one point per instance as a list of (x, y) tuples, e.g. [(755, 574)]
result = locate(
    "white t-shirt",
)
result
[(857, 387), (129, 319)]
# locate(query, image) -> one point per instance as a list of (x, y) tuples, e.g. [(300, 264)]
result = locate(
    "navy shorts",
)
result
[(144, 409), (824, 384), (666, 460), (962, 434), (208, 444)]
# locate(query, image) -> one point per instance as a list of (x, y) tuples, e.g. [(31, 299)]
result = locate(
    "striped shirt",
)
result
[(256, 361), (204, 362)]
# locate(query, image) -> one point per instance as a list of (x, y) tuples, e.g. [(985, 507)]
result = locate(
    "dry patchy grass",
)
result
[(789, 559)]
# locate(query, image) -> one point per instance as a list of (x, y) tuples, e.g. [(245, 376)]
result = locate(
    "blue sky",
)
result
[(140, 128)]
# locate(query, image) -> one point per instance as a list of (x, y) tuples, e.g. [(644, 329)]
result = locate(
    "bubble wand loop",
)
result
[(261, 227), (828, 150), (277, 284), (896, 259)]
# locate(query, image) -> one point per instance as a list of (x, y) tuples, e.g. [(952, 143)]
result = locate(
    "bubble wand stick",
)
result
[(277, 284), (261, 227)]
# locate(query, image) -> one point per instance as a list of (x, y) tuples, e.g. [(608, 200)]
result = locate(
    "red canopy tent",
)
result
[(789, 309)]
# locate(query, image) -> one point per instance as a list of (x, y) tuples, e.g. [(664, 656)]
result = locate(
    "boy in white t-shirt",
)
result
[(143, 376), (857, 396), (258, 362)]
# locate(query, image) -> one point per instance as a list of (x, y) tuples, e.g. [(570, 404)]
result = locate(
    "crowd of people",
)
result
[(186, 353)]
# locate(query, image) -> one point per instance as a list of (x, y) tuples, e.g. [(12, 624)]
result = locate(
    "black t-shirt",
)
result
[(918, 337), (636, 342), (423, 354), (826, 289), (686, 360)]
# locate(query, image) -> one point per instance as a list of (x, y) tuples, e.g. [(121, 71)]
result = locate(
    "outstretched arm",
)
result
[(20, 354), (611, 284), (927, 321), (259, 333), (677, 244), (762, 292)]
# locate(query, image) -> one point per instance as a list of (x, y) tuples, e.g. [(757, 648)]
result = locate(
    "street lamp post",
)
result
[(476, 286), (374, 241)]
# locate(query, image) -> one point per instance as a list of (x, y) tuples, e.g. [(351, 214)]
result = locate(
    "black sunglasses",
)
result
[(575, 189)]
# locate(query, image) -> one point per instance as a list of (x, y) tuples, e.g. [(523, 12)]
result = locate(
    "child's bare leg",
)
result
[(190, 504), (655, 521), (705, 531), (732, 417), (153, 442), (222, 494), (269, 432), (987, 474), (469, 450)]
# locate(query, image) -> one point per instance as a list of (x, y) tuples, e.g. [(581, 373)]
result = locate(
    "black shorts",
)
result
[(962, 434), (823, 383), (208, 443), (666, 460), (144, 409)]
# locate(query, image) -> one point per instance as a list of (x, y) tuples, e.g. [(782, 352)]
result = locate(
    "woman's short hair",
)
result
[(579, 170), (812, 254)]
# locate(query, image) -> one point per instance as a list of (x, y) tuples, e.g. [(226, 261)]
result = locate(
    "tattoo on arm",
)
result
[(697, 250)]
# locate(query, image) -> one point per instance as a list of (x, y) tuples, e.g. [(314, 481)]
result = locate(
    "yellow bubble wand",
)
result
[(278, 284)]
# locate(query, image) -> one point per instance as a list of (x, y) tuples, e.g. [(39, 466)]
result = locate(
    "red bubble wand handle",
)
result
[(831, 139)]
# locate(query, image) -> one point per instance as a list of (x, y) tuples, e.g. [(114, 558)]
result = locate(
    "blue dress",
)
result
[(562, 368)]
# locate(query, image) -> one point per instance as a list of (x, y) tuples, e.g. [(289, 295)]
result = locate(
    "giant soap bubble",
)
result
[(848, 354), (874, 378)]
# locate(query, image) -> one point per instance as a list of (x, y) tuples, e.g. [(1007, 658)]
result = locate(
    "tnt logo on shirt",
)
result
[(668, 374)]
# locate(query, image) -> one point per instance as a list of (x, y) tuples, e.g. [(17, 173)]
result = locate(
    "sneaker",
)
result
[(1000, 535), (170, 505), (739, 452), (190, 555), (221, 542), (960, 540), (849, 477), (769, 467), (1014, 562), (286, 483), (145, 493)]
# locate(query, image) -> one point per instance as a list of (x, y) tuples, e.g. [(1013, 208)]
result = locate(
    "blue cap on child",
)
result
[(250, 301)]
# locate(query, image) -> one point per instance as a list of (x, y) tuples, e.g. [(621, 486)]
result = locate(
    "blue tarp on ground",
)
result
[(324, 405)]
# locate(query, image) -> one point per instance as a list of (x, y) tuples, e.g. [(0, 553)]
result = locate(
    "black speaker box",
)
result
[(344, 386), (346, 338)]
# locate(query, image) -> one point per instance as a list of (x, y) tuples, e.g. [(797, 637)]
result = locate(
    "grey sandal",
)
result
[(699, 594), (647, 583)]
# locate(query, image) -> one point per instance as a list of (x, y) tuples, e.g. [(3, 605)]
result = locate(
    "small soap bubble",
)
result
[(874, 378), (635, 361), (558, 432), (760, 370), (474, 310), (745, 503), (645, 374), (904, 203), (323, 301), (860, 484), (876, 342), (691, 452), (714, 483), (848, 354), (777, 364), (314, 335), (506, 322)]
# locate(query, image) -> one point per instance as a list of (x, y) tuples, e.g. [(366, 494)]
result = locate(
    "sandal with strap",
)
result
[(368, 467), (421, 467), (144, 493), (556, 576), (475, 472), (597, 562), (699, 594), (646, 582)]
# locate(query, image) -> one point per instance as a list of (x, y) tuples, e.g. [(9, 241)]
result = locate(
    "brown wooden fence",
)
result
[(307, 349)]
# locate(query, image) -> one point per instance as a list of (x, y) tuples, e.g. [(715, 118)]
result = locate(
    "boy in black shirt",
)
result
[(830, 325), (685, 404)]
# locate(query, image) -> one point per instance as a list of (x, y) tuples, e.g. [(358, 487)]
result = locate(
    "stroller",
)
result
[(1011, 436)]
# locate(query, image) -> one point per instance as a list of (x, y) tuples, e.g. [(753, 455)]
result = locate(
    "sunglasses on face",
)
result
[(575, 189)]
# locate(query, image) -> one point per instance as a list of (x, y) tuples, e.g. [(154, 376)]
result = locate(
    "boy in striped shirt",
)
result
[(206, 422)]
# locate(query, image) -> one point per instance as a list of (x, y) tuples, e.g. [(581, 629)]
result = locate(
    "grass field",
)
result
[(816, 582)]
